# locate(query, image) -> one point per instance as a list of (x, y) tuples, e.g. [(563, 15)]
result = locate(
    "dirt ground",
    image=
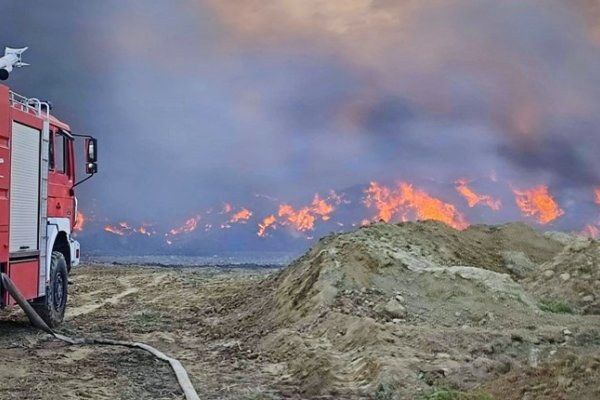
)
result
[(408, 311), (176, 310)]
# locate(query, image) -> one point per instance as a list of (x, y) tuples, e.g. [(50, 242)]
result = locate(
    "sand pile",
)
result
[(400, 310)]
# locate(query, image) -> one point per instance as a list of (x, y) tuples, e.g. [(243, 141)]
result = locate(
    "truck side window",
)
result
[(51, 152), (59, 153)]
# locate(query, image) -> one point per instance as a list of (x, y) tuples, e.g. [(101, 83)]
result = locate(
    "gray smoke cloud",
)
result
[(200, 102)]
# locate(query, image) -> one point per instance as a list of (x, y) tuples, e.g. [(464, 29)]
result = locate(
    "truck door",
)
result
[(60, 177)]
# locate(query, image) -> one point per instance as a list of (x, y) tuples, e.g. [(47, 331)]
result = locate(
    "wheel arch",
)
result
[(61, 244), (58, 233)]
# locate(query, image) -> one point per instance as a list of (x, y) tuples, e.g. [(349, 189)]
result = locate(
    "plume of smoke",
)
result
[(523, 73), (198, 102)]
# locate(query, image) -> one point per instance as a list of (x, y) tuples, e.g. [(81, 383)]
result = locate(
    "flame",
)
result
[(462, 186), (538, 203), (400, 202), (267, 222), (381, 198), (405, 200), (321, 208), (428, 207), (241, 216), (590, 231), (115, 230), (146, 230), (124, 228), (304, 219), (189, 226), (79, 222)]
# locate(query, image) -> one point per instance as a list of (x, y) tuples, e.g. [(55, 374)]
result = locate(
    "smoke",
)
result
[(200, 102), (524, 71)]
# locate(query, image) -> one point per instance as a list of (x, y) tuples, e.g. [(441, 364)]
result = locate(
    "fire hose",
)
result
[(180, 372)]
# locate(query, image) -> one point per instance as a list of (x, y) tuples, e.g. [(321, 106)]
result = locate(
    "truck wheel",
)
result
[(52, 306)]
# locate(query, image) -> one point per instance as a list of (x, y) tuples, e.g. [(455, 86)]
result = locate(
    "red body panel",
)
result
[(25, 276)]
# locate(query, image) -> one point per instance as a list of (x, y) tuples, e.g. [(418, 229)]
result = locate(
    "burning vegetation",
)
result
[(304, 219), (538, 203), (124, 228), (404, 201), (473, 199)]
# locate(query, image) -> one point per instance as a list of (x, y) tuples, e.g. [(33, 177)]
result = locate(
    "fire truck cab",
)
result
[(38, 207)]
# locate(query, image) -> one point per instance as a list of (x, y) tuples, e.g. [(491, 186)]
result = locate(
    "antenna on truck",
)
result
[(13, 58)]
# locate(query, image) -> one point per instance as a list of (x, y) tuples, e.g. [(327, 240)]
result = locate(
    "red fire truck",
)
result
[(38, 207)]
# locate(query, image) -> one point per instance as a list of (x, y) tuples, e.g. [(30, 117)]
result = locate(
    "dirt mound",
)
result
[(387, 259), (570, 282), (403, 309)]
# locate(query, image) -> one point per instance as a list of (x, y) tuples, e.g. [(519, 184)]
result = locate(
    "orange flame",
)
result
[(428, 207), (321, 208), (381, 198), (124, 228), (115, 230), (267, 222), (462, 186), (538, 203), (189, 226), (241, 216), (79, 222), (145, 230), (302, 219), (406, 199)]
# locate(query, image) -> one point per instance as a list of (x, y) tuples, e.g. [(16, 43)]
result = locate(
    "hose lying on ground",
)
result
[(38, 322)]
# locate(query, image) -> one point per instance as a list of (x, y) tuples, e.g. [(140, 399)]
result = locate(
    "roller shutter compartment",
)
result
[(24, 188)]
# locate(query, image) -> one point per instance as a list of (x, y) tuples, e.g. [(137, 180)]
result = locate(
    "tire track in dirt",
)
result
[(113, 300)]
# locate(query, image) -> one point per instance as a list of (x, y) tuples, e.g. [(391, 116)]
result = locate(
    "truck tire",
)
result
[(52, 306)]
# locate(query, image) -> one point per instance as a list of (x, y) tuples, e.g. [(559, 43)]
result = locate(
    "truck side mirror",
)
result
[(91, 156), (91, 150)]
